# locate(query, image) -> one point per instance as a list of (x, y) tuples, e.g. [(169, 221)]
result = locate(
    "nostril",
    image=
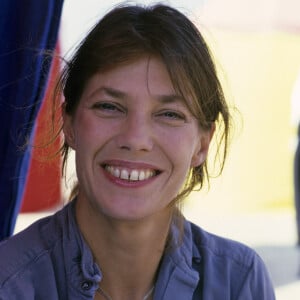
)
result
[(125, 147)]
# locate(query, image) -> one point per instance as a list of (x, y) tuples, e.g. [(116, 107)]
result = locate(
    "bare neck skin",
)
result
[(128, 252)]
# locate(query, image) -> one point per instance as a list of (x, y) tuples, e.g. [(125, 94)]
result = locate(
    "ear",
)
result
[(68, 128), (203, 145)]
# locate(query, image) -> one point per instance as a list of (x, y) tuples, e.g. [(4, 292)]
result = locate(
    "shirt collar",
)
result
[(83, 273), (177, 277)]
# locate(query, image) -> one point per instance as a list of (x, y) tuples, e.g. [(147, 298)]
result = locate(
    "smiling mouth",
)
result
[(131, 175)]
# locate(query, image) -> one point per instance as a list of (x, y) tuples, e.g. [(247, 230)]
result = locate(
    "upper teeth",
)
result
[(133, 175)]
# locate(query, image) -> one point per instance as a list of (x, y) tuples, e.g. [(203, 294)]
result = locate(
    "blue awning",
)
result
[(27, 29)]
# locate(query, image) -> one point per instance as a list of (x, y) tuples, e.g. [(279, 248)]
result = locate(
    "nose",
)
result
[(136, 133)]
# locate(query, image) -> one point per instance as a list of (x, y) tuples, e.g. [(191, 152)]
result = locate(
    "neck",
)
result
[(127, 252)]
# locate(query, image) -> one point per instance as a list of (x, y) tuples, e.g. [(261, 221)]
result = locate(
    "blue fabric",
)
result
[(50, 260), (27, 28)]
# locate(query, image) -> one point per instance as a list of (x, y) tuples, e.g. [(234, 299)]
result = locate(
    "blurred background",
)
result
[(256, 44)]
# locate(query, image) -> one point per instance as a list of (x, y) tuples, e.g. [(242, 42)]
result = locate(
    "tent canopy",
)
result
[(27, 30)]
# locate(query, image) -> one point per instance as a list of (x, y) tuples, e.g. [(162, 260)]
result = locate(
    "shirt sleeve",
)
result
[(258, 284)]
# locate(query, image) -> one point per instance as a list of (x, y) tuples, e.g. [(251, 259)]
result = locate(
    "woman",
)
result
[(142, 101)]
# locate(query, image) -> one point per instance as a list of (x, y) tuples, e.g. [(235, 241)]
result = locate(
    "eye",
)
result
[(105, 106), (108, 109), (172, 117)]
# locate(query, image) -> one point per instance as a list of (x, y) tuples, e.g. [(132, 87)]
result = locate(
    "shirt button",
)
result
[(196, 260), (86, 285)]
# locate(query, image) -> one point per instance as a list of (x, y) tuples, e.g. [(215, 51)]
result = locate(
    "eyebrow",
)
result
[(170, 98), (110, 92)]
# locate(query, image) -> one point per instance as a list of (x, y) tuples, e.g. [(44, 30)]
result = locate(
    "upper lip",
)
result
[(131, 165)]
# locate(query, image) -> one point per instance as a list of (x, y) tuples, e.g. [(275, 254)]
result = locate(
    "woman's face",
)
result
[(135, 141)]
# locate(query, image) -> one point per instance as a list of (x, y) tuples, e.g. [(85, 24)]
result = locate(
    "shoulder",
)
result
[(237, 266), (24, 249), (240, 263), (212, 245)]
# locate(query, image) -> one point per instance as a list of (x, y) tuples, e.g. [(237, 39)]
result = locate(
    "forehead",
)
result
[(146, 74)]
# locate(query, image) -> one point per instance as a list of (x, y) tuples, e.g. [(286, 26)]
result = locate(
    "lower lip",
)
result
[(127, 183)]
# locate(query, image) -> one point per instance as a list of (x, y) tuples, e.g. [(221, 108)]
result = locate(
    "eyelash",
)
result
[(107, 106), (110, 107), (173, 115)]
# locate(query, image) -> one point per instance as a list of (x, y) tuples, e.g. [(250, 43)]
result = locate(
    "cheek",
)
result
[(87, 131), (182, 146)]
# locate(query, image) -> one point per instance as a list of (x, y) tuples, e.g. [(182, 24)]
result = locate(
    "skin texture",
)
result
[(130, 118)]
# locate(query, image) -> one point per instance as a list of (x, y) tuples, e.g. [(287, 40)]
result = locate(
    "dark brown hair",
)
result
[(128, 32)]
